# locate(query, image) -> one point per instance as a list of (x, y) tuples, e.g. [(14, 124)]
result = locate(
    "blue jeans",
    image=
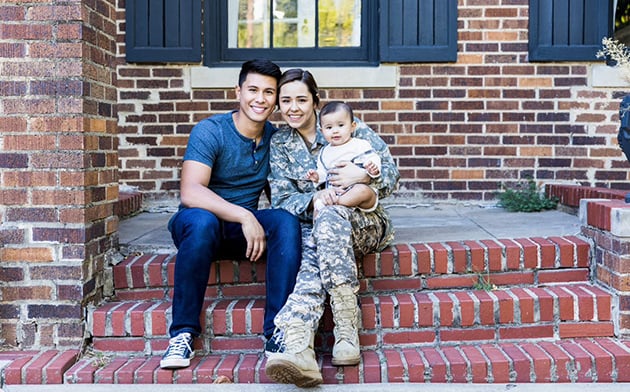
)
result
[(202, 238)]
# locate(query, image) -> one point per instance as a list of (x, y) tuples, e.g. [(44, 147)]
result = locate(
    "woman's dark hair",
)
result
[(259, 66), (335, 106), (300, 75)]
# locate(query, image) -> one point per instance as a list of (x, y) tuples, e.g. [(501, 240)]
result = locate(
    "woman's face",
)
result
[(297, 106)]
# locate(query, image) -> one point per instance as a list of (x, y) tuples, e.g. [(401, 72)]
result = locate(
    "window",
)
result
[(622, 21), (289, 31), (568, 30), (292, 32)]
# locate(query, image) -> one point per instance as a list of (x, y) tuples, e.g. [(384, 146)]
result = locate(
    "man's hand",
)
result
[(347, 173), (255, 236)]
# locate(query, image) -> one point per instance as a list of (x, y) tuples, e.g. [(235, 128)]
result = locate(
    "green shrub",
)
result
[(526, 198)]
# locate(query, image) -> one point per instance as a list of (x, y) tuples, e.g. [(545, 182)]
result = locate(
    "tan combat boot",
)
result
[(296, 364), (345, 312)]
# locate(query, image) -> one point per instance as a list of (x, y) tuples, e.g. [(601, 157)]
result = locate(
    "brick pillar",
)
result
[(607, 222), (58, 166)]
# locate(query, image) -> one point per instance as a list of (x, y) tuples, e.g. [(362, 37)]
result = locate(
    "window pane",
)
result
[(622, 21), (294, 24), (339, 23), (248, 23)]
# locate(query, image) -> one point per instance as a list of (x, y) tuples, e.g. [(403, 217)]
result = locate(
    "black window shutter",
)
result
[(569, 30), (163, 31), (418, 30)]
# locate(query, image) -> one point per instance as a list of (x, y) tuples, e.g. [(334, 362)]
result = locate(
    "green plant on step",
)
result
[(483, 283), (526, 198)]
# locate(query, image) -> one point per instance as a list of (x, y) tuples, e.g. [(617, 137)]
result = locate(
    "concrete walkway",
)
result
[(413, 223)]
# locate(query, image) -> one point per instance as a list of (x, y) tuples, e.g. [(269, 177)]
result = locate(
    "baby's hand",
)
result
[(312, 175), (371, 168)]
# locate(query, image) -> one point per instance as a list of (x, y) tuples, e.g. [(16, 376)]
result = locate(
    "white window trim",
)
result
[(326, 77)]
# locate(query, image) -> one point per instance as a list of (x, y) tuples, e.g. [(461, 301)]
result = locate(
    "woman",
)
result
[(328, 259)]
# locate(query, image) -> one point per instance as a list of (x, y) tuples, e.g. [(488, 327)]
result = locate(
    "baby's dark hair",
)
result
[(335, 106)]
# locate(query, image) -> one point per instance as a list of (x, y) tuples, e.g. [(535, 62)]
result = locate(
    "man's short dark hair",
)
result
[(259, 66)]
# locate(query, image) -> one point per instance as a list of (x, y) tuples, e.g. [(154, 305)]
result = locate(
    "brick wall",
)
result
[(457, 130), (58, 162)]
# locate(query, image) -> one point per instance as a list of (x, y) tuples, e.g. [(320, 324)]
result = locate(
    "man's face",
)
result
[(257, 96)]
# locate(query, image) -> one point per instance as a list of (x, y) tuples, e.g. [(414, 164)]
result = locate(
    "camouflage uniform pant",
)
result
[(328, 260)]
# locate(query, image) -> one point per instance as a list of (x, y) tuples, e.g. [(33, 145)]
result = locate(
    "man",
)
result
[(224, 172)]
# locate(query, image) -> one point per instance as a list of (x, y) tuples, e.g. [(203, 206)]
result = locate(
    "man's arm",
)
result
[(194, 193)]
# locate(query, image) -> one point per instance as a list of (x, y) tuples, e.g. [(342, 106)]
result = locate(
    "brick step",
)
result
[(388, 320), (451, 264), (569, 360)]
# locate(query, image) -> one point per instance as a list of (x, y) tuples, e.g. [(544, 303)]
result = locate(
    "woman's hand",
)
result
[(347, 173)]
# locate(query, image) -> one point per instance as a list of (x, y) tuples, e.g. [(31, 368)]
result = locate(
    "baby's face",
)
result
[(337, 127)]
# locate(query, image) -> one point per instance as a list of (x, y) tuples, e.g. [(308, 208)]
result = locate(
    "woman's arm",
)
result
[(290, 189)]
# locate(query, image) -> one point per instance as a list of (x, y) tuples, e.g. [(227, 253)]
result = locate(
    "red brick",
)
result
[(423, 255), (512, 254), (445, 304), (466, 308), (477, 256), (450, 281), (135, 344), (458, 367), (159, 320), (495, 256), (467, 334), (565, 275), (459, 257), (541, 361), (369, 265), (105, 374), (526, 332), (547, 252), (387, 311), (387, 284), (499, 370), (440, 257), (525, 305), (408, 337), (586, 329), (415, 365), (583, 367), (603, 360), (530, 253), (145, 373), (566, 251), (478, 364), (126, 373), (506, 306), (425, 309), (406, 311), (486, 307), (368, 313), (437, 365), (137, 318), (387, 263), (205, 372), (371, 368), (560, 359), (405, 261), (223, 343), (395, 370), (565, 303), (582, 251)]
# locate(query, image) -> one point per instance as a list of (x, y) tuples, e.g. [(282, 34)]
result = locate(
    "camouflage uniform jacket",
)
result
[(291, 159)]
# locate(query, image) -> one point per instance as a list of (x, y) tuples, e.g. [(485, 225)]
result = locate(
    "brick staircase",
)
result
[(482, 311)]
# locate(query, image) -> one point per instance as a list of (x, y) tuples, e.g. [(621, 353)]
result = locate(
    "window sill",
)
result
[(605, 76), (326, 77)]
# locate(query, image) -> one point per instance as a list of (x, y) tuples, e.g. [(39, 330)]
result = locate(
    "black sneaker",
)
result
[(178, 353), (275, 344)]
